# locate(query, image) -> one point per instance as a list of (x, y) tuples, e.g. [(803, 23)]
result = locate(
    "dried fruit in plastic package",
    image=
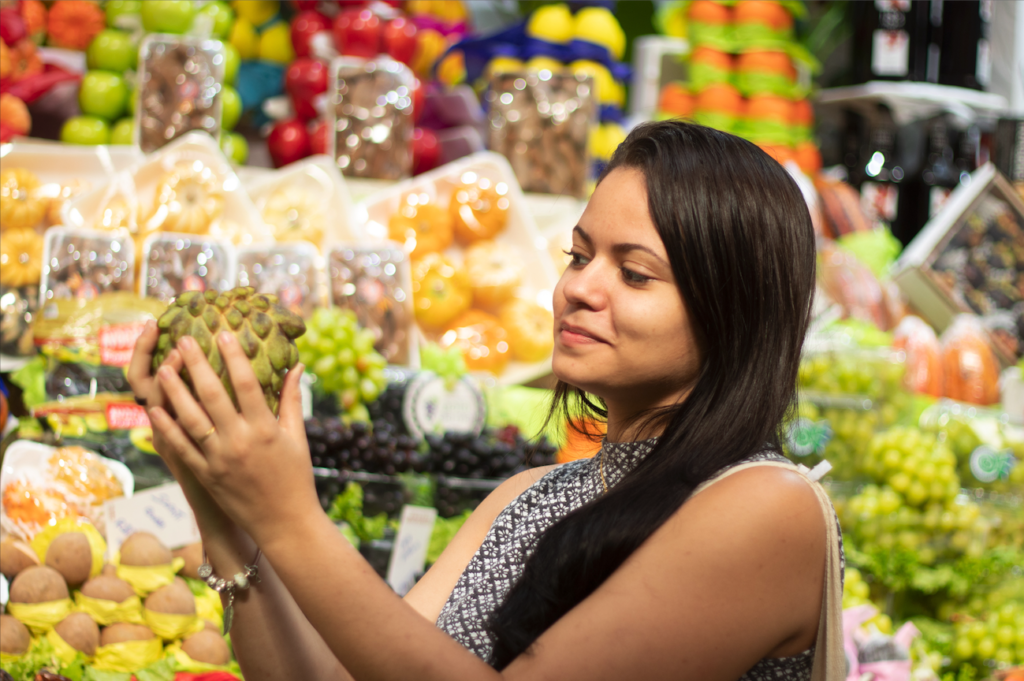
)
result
[(21, 206), (85, 473), (924, 356), (969, 365), (852, 285)]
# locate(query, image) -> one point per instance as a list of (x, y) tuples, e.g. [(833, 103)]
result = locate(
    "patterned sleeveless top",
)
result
[(499, 561)]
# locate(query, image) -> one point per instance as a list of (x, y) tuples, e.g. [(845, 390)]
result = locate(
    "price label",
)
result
[(161, 511), (432, 405), (410, 551)]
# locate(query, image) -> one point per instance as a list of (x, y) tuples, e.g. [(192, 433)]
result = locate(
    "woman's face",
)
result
[(621, 328)]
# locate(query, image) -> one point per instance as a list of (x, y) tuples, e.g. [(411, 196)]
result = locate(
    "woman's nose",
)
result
[(586, 286)]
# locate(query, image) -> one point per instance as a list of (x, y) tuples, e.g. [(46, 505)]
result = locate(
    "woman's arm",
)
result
[(734, 576)]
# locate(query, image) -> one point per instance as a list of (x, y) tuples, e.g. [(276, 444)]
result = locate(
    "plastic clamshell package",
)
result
[(520, 234), (239, 221), (82, 263), (319, 189), (28, 461), (174, 263), (369, 117), (374, 280), (184, 76), (292, 271)]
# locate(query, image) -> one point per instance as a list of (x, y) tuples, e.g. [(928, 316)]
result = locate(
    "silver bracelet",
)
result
[(249, 575)]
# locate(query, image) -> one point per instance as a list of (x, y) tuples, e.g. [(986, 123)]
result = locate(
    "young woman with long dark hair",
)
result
[(679, 322)]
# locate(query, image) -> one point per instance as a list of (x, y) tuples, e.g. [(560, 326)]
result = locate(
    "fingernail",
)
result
[(226, 338), (157, 414), (150, 325), (186, 343), (164, 372)]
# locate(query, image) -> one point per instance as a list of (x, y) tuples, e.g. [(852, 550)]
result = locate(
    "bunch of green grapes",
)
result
[(879, 517), (914, 463), (869, 374), (339, 352), (840, 435), (998, 638), (966, 446)]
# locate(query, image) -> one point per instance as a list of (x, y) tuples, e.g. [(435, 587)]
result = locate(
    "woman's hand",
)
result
[(209, 516), (256, 467)]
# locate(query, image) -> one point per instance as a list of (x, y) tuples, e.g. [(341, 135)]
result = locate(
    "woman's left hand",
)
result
[(257, 467)]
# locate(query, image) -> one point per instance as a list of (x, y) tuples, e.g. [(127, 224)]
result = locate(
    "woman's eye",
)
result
[(633, 278), (577, 258)]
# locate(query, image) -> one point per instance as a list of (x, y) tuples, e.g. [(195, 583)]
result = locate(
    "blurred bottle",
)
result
[(893, 40), (926, 192), (966, 56)]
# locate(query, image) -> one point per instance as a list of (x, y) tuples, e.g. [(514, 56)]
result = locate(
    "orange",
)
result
[(422, 227), (771, 14), (803, 113), (675, 99), (481, 339), (779, 152), (709, 12), (712, 57), (440, 291), (808, 158), (769, 108), (720, 98), (767, 61)]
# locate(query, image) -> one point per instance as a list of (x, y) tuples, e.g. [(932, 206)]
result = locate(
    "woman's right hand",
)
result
[(210, 517)]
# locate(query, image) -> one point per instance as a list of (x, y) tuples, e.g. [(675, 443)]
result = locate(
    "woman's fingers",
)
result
[(190, 414), (247, 387), (139, 376), (207, 383), (179, 442), (290, 414)]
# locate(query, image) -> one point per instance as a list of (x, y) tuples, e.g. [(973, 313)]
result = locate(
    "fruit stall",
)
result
[(384, 191)]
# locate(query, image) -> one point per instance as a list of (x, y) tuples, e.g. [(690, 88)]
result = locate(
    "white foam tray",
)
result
[(521, 234), (241, 222), (66, 163)]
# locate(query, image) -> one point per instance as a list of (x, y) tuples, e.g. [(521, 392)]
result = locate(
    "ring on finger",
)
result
[(207, 435)]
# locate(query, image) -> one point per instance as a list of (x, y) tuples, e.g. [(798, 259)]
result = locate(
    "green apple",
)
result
[(112, 50), (167, 16), (103, 94), (85, 130), (123, 131), (231, 108), (231, 62), (133, 100), (234, 147), (116, 9), (219, 14)]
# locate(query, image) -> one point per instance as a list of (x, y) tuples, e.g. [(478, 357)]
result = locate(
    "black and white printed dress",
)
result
[(499, 561)]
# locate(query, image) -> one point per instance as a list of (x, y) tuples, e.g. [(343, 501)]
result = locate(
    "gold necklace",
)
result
[(600, 469)]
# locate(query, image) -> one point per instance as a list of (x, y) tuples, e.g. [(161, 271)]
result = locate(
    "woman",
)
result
[(682, 313)]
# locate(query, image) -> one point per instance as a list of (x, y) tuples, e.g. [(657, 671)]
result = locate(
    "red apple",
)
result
[(12, 26), (303, 81), (400, 39), (288, 142), (419, 96), (318, 136), (426, 152), (357, 33), (304, 26)]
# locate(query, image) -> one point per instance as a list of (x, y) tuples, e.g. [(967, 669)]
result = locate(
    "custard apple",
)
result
[(265, 330)]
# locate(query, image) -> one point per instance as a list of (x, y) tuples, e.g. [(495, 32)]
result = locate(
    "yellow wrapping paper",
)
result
[(170, 627), (105, 612), (146, 580), (41, 542), (41, 617), (209, 607), (184, 663), (61, 648), (6, 660), (130, 656)]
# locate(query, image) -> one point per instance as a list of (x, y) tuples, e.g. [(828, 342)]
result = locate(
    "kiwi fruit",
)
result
[(207, 646), (14, 636), (174, 599), (122, 632), (70, 554), (109, 570), (210, 625), (193, 555), (142, 549), (38, 584), (15, 556), (106, 588), (80, 632)]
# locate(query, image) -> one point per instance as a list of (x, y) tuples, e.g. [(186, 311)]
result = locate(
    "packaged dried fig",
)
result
[(81, 263), (175, 263), (289, 271)]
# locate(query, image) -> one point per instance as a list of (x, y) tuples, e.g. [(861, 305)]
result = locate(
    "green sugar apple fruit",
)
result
[(266, 332)]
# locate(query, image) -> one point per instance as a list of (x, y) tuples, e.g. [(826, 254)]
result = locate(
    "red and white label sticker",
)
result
[(117, 342), (125, 416)]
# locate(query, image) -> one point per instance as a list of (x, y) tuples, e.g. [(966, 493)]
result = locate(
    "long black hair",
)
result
[(741, 246)]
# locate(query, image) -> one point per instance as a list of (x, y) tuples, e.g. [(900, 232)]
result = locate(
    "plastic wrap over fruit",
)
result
[(970, 367), (83, 264), (854, 287), (923, 355), (541, 122), (288, 270), (370, 118), (179, 82), (175, 263)]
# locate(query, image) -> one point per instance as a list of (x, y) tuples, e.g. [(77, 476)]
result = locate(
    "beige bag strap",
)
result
[(829, 654)]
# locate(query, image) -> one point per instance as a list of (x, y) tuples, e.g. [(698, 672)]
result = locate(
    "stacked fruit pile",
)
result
[(71, 614), (743, 78)]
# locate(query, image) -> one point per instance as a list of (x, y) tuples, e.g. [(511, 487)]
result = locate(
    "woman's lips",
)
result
[(576, 335)]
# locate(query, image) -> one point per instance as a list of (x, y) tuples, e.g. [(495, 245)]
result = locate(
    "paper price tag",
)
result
[(161, 511), (410, 551)]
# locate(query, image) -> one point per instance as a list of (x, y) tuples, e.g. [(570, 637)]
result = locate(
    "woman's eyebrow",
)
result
[(619, 249)]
